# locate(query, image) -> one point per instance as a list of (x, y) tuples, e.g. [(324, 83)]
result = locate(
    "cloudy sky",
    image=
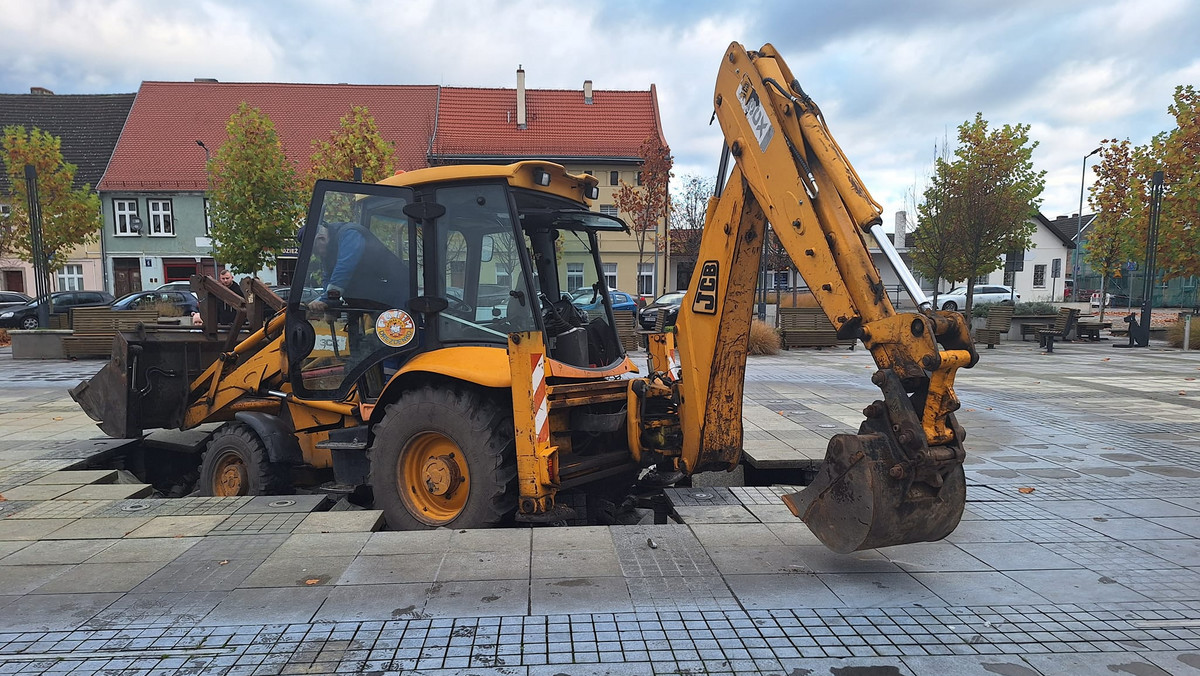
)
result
[(894, 78)]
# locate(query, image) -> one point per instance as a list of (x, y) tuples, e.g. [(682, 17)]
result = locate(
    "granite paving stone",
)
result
[(98, 529), (176, 526), (101, 577), (31, 529), (598, 594), (267, 606), (56, 551), (407, 542), (392, 568), (1073, 586), (565, 562), (78, 477), (127, 550), (53, 612), (485, 565), (478, 598), (983, 588), (109, 492), (366, 520), (37, 491), (382, 602), (23, 579), (297, 571)]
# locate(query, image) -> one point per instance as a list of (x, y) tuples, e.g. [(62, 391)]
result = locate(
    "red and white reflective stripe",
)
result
[(541, 417), (673, 365)]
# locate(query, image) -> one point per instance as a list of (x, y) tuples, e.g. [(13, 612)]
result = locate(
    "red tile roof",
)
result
[(158, 151), (481, 123)]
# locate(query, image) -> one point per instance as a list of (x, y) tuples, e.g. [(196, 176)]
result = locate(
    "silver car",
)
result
[(984, 293)]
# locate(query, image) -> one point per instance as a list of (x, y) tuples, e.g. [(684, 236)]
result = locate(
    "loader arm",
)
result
[(900, 478)]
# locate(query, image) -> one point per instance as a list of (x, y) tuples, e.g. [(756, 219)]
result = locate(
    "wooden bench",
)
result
[(998, 323), (1063, 324), (1090, 329), (627, 326), (807, 327), (94, 327)]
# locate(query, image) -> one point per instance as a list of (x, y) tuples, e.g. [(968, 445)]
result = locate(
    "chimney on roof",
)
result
[(901, 229), (521, 97), (40, 91), (587, 92), (1074, 215)]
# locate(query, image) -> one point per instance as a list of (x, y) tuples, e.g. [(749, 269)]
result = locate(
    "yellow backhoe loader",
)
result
[(446, 368)]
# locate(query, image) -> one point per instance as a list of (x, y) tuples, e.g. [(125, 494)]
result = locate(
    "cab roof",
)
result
[(518, 174)]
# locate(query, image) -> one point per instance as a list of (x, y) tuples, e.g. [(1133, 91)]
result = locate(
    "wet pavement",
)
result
[(1079, 551)]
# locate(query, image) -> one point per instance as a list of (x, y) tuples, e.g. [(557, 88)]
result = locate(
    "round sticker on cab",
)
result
[(395, 328)]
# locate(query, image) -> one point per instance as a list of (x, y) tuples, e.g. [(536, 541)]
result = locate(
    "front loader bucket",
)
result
[(855, 502), (145, 384)]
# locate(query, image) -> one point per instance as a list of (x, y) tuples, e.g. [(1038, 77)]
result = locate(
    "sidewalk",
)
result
[(1096, 570)]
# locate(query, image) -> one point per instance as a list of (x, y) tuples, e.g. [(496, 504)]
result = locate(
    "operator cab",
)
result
[(457, 256)]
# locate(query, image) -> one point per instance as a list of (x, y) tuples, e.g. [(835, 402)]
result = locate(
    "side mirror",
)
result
[(488, 245)]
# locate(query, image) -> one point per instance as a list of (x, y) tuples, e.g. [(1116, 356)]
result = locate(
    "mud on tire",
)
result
[(236, 463), (445, 457)]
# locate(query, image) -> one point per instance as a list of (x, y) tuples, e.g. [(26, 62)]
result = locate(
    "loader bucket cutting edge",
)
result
[(854, 503), (105, 399)]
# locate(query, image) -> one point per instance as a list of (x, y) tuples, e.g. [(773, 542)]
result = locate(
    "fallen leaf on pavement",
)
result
[(1025, 489), (223, 562), (1106, 359), (312, 581), (57, 417)]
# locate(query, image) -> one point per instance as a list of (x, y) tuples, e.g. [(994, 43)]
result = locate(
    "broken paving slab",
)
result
[(78, 476), (109, 492), (367, 520)]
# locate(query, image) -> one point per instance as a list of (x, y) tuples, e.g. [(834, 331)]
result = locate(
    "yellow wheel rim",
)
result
[(433, 479), (230, 477)]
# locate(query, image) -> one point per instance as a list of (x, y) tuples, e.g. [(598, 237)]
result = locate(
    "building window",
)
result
[(574, 277), (645, 285), (610, 275), (70, 278), (981, 279), (614, 177), (1010, 278), (1039, 276), (588, 172), (639, 178), (608, 210), (124, 211), (162, 224), (207, 219)]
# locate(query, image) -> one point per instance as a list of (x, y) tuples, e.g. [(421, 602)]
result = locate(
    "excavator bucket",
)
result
[(857, 502)]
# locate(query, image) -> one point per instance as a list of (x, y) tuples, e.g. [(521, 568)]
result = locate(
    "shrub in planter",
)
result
[(1175, 334), (763, 339)]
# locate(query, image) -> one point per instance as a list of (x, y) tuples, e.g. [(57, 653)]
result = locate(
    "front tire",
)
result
[(950, 306), (237, 463), (445, 457)]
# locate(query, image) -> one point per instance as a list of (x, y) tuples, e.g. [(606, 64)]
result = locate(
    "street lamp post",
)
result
[(1079, 230)]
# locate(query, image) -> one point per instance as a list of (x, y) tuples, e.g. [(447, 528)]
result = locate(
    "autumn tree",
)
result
[(990, 190), (688, 208), (932, 243), (649, 203), (1177, 153), (70, 215), (355, 143), (257, 201), (1113, 237)]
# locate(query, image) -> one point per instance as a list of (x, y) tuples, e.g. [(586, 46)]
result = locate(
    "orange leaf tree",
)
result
[(1113, 238), (649, 203), (70, 215), (355, 143)]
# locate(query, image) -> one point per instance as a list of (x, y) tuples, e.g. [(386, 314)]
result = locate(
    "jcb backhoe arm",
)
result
[(900, 478)]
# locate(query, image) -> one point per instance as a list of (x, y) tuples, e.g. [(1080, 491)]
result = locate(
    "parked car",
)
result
[(984, 293), (587, 299), (309, 293), (185, 285), (26, 316), (1111, 300), (148, 300), (668, 303), (11, 299)]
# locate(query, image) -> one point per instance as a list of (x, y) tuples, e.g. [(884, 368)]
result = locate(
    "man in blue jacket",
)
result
[(359, 269)]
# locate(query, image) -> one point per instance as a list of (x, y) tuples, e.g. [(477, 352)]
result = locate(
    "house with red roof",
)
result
[(87, 126), (153, 192)]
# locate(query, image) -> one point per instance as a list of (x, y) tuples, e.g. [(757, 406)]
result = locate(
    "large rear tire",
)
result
[(236, 463), (445, 457)]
